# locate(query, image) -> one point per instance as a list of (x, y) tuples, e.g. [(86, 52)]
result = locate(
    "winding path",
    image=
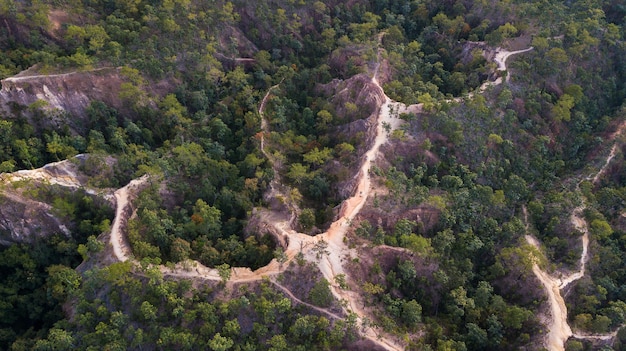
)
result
[(503, 55), (500, 59), (62, 173), (559, 328), (331, 263), (121, 248)]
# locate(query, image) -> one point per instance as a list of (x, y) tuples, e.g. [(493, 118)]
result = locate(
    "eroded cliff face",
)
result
[(28, 210), (70, 92), (23, 220)]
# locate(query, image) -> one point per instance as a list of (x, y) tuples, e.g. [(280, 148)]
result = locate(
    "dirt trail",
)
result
[(331, 265), (500, 59), (24, 75), (559, 329), (293, 297), (600, 173), (275, 186), (581, 225), (503, 55), (121, 248), (63, 173), (264, 126)]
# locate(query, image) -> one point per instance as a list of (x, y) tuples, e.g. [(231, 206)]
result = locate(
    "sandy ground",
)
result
[(502, 55), (606, 164), (121, 248)]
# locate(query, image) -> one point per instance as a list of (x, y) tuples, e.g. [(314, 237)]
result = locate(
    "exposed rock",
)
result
[(23, 216), (24, 220), (358, 90), (71, 93)]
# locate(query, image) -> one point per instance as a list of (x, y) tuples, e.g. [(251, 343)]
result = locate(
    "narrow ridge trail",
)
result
[(121, 248), (559, 328), (331, 265), (20, 77), (61, 173)]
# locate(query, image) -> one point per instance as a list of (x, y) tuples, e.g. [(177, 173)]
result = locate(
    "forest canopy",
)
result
[(242, 111)]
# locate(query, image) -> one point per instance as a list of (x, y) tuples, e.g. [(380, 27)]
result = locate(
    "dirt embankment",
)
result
[(24, 220)]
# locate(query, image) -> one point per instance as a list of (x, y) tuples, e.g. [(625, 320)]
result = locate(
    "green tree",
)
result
[(220, 343), (128, 6), (318, 157), (324, 118), (320, 294), (58, 339), (321, 248), (477, 338), (574, 345), (298, 173), (561, 111), (224, 272), (278, 343), (148, 311), (306, 219), (206, 219), (62, 281), (411, 313), (365, 30), (601, 229), (280, 256), (515, 316), (180, 250), (340, 279)]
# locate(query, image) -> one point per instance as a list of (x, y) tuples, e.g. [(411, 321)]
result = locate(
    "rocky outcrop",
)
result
[(23, 220)]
